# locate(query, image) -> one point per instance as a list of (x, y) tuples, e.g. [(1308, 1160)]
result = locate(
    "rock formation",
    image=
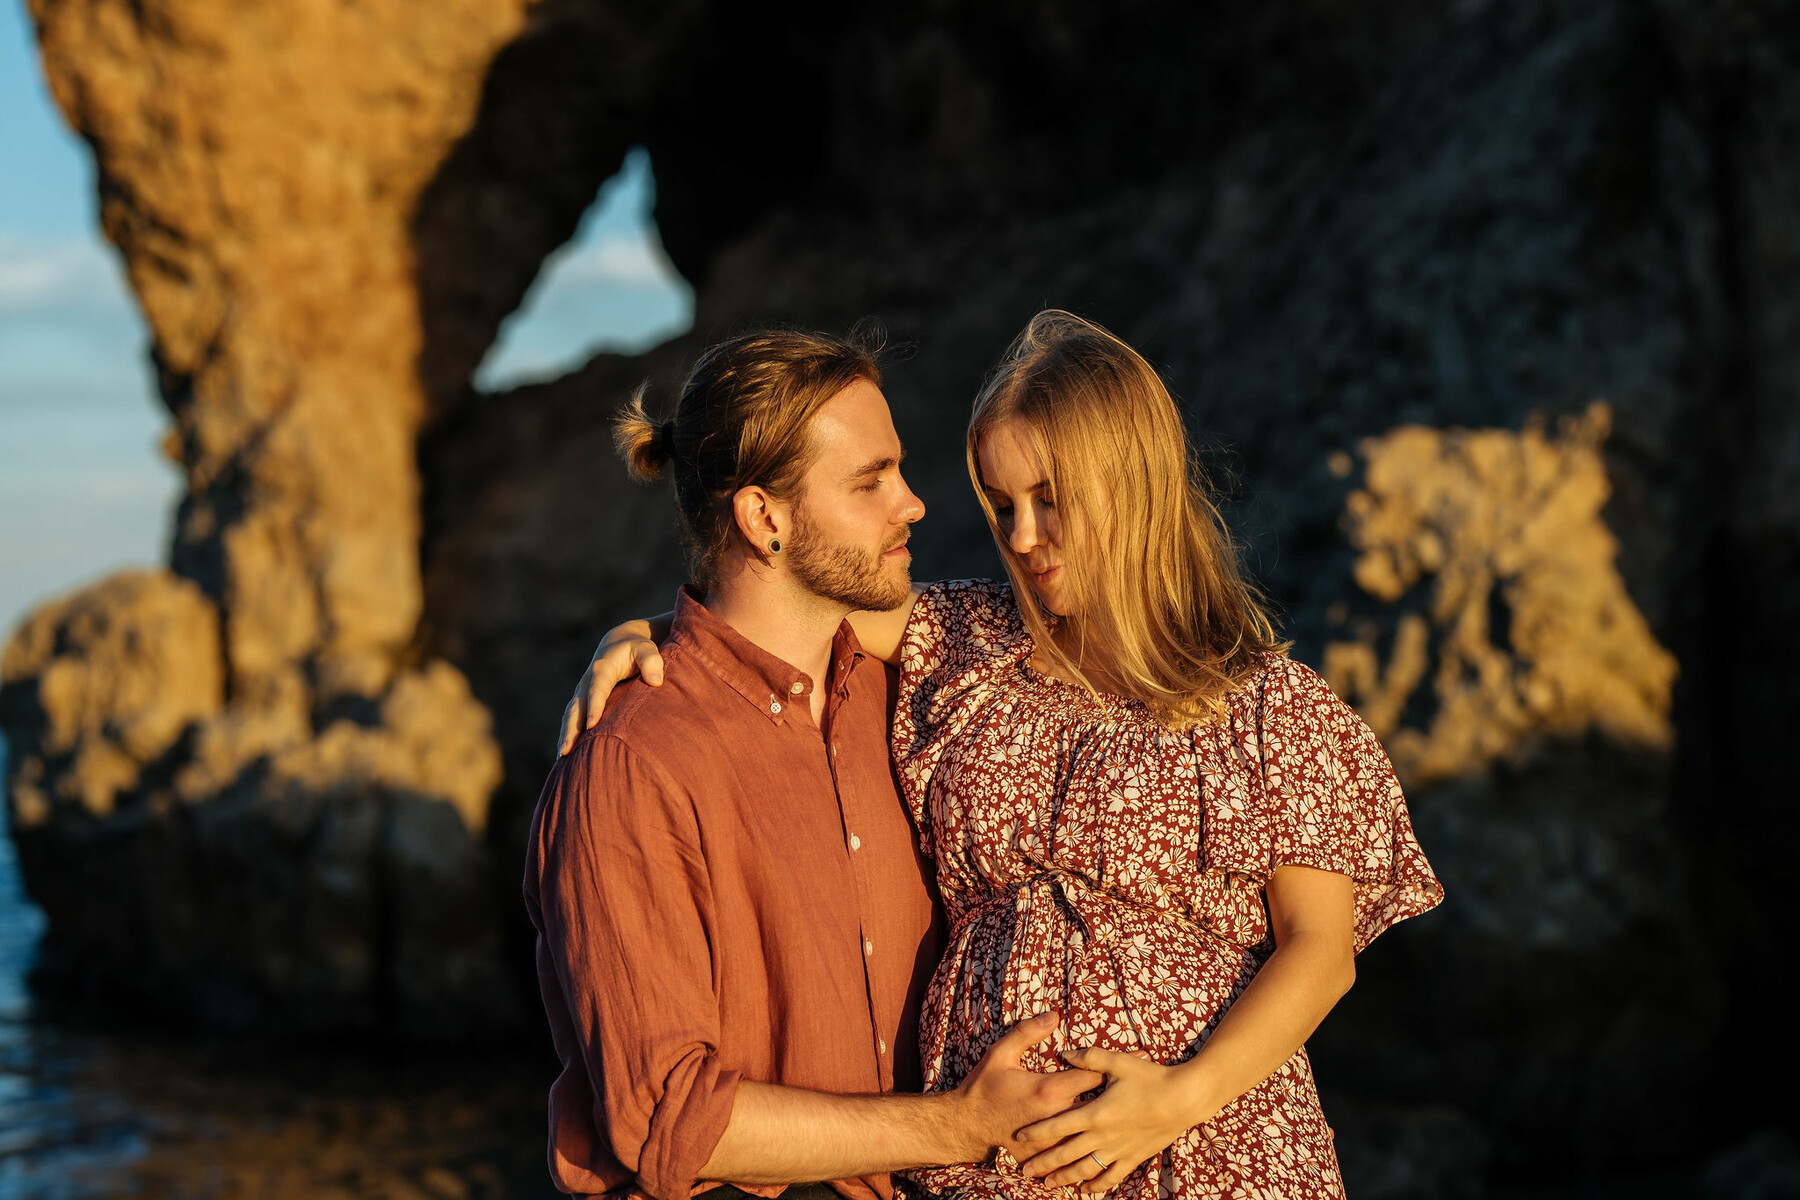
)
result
[(1429, 235), (260, 173), (1535, 635)]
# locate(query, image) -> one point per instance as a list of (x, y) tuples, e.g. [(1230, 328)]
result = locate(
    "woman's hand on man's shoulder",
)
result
[(626, 650)]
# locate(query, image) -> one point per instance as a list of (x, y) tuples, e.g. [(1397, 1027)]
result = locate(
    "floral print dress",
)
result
[(1095, 863)]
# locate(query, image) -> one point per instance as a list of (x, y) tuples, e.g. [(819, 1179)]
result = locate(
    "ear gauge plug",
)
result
[(774, 545)]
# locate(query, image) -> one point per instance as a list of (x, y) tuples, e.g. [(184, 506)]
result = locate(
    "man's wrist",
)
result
[(970, 1128)]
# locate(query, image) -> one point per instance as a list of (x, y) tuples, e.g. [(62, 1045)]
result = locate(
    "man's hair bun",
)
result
[(646, 445)]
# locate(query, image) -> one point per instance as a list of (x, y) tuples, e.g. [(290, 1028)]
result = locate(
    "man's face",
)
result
[(855, 511)]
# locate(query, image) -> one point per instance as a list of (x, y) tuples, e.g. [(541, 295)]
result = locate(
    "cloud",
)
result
[(616, 260), (69, 328), (60, 278), (82, 488)]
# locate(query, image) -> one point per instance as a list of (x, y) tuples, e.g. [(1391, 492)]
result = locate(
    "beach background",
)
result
[(311, 318)]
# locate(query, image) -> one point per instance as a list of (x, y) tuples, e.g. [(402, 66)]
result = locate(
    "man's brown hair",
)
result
[(744, 418)]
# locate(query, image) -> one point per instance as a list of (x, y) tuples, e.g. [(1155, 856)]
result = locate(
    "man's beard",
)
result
[(846, 575)]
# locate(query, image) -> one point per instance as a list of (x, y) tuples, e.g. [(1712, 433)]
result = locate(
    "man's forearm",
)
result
[(791, 1135)]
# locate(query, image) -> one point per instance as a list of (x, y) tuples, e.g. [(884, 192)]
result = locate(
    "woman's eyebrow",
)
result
[(1042, 485)]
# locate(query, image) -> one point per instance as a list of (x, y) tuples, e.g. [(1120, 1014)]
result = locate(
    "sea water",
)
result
[(94, 1106)]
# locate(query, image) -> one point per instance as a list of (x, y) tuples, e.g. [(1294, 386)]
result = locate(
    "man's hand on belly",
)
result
[(999, 1097)]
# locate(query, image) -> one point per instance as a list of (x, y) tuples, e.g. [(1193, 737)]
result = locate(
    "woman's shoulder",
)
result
[(968, 620), (980, 605), (1276, 683), (1284, 704)]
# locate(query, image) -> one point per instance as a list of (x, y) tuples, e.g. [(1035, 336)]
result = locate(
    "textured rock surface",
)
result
[(1527, 630), (1428, 235), (260, 174), (107, 682)]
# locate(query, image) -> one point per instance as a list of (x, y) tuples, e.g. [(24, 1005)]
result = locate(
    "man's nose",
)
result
[(911, 507)]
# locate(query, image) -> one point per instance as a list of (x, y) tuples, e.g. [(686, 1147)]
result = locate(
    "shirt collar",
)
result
[(767, 682)]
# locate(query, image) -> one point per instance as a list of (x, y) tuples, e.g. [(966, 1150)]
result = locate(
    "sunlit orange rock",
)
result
[(1523, 628), (262, 169)]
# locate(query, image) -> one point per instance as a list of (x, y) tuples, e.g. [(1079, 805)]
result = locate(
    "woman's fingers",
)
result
[(1065, 1163), (1093, 1168), (1106, 1064), (1054, 1129), (571, 720), (1109, 1063), (1101, 1142), (1110, 1178), (593, 693), (622, 653), (649, 662)]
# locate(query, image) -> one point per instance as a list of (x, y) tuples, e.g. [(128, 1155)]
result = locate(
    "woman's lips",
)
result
[(1046, 574)]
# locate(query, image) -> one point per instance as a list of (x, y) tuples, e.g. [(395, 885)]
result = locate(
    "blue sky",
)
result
[(83, 489)]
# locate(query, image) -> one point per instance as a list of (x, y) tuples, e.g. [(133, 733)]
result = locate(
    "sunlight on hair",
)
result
[(609, 288)]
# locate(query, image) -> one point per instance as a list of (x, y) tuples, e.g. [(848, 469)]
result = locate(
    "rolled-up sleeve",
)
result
[(624, 912)]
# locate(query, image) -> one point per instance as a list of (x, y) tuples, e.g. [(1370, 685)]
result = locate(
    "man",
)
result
[(734, 925)]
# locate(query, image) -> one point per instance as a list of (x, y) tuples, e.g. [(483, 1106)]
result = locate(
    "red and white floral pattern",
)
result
[(1099, 865)]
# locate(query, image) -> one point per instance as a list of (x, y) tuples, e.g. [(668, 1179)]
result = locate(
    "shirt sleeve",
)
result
[(626, 923)]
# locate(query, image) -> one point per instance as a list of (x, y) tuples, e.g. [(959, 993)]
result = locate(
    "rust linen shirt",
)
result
[(723, 891)]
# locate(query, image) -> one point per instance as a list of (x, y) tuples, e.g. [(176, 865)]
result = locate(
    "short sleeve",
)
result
[(962, 635), (1330, 800)]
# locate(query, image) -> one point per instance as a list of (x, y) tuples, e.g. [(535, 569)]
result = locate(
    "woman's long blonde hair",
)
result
[(1144, 545)]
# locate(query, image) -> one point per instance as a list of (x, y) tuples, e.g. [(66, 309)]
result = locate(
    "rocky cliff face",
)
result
[(270, 772), (1390, 257)]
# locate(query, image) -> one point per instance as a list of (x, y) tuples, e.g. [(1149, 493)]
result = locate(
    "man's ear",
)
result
[(761, 518)]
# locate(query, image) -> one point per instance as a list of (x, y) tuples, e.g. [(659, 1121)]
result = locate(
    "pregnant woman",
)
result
[(1144, 815)]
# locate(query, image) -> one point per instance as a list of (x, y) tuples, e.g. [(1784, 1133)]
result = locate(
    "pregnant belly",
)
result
[(1122, 976)]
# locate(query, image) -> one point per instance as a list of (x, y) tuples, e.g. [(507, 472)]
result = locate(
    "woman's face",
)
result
[(1018, 486)]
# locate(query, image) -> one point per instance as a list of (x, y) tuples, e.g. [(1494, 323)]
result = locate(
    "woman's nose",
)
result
[(1024, 536)]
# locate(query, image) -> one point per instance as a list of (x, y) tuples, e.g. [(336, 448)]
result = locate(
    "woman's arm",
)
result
[(631, 649), (626, 650), (880, 632), (1146, 1105)]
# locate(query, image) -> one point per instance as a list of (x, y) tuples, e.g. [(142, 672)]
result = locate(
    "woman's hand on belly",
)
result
[(1144, 1108), (1000, 1098)]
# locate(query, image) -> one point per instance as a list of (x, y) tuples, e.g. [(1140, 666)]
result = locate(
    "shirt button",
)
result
[(868, 947), (881, 1045), (855, 842), (775, 706), (796, 687)]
